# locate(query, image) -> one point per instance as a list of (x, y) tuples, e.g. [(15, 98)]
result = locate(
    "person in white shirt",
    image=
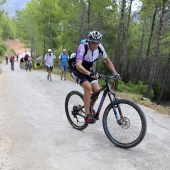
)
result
[(49, 62)]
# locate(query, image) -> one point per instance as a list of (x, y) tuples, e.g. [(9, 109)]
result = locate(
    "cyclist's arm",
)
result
[(110, 65), (80, 68)]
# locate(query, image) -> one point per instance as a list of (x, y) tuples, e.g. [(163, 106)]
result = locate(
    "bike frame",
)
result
[(108, 91)]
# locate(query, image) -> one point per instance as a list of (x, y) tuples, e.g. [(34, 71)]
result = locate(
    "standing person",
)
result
[(86, 57), (49, 62), (63, 63), (38, 61)]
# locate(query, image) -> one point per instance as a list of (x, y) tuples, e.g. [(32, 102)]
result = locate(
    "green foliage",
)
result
[(59, 24), (8, 27), (3, 49), (129, 87), (156, 89)]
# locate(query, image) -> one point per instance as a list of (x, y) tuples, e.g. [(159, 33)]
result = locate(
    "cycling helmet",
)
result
[(95, 37), (73, 55)]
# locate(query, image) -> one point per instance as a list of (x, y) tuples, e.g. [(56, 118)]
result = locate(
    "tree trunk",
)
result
[(151, 32), (51, 35), (138, 65), (32, 45), (82, 21), (118, 52), (155, 59), (88, 16), (124, 57)]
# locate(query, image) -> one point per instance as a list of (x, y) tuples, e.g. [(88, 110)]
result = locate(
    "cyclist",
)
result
[(6, 59), (21, 61), (26, 58), (30, 63), (17, 57), (84, 74), (12, 60)]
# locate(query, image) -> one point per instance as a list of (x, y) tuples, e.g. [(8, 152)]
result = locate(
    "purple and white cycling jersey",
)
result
[(89, 60)]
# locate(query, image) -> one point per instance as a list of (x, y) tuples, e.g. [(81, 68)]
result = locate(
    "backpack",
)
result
[(26, 57), (72, 61), (62, 56)]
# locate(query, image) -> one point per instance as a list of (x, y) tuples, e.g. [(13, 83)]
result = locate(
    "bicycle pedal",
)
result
[(91, 122)]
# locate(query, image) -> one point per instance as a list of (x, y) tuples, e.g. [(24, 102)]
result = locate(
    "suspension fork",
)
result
[(116, 108)]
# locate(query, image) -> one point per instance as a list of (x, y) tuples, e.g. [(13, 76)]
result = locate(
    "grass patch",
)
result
[(137, 98)]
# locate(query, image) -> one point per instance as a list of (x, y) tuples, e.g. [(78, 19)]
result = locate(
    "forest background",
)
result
[(137, 42)]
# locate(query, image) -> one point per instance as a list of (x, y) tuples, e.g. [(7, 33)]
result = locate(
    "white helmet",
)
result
[(95, 37), (73, 55)]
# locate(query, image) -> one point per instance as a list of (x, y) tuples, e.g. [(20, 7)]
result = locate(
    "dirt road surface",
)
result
[(35, 133)]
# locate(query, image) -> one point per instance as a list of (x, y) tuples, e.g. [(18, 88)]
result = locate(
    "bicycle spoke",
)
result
[(75, 111), (131, 128)]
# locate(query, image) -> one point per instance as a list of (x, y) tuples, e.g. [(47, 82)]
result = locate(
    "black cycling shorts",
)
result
[(49, 69), (81, 78)]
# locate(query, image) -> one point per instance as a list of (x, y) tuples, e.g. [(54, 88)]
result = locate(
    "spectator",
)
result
[(49, 62), (63, 63)]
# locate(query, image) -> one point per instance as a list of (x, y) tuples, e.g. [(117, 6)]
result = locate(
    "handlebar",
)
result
[(106, 77)]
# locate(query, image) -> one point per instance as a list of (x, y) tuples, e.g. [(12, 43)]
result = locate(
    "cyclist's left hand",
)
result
[(116, 76)]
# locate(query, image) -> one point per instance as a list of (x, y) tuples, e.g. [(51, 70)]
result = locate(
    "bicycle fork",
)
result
[(116, 108)]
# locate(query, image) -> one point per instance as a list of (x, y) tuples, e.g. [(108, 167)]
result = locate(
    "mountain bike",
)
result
[(22, 66), (6, 62), (124, 122), (12, 66)]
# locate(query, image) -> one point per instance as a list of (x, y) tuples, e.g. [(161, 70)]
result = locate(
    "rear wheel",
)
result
[(130, 130), (75, 110)]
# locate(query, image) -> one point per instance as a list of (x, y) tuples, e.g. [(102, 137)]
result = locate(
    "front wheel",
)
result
[(74, 108), (130, 129)]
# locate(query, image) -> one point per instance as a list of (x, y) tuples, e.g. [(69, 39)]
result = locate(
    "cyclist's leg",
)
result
[(95, 88), (87, 92), (81, 79), (86, 83)]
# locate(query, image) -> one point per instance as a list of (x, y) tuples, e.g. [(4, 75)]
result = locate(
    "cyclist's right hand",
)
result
[(93, 74)]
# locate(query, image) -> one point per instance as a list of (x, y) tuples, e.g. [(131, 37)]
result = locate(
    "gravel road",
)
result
[(35, 133)]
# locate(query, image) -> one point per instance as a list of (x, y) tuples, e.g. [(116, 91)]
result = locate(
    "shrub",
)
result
[(3, 49), (129, 87)]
